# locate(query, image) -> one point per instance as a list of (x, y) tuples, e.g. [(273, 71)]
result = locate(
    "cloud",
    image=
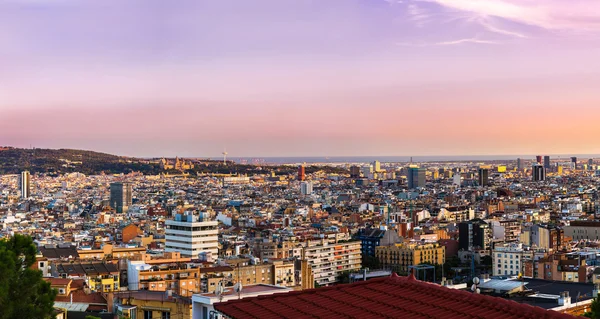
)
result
[(468, 40), (488, 26), (574, 15)]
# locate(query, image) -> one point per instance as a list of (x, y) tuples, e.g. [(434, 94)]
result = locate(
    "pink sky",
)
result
[(293, 78)]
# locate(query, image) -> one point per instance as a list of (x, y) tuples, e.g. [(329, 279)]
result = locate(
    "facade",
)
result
[(415, 177), (583, 230), (354, 172), (25, 184), (371, 238), (538, 173), (474, 233), (152, 304), (301, 173), (120, 196), (547, 162), (306, 188), (483, 176), (192, 235), (506, 230), (509, 260), (547, 237), (400, 257), (328, 261)]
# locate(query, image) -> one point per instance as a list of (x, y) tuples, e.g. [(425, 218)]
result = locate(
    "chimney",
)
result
[(364, 275), (564, 299)]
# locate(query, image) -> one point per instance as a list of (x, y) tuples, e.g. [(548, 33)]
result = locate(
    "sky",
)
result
[(301, 77)]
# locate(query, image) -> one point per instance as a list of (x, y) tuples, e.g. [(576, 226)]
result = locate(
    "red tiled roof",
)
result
[(389, 297)]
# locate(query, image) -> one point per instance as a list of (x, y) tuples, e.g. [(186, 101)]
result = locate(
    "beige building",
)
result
[(400, 257), (328, 260)]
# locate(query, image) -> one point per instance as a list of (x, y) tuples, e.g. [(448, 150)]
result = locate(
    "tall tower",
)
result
[(224, 157), (519, 164), (120, 196), (539, 173), (574, 162), (301, 173), (538, 159), (484, 174), (547, 162), (25, 184), (415, 177)]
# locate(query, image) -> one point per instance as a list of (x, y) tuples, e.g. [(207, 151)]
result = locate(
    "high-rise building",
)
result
[(120, 196), (483, 176), (377, 166), (25, 184), (539, 173), (306, 188), (328, 261), (301, 173), (519, 164), (415, 177), (590, 163), (574, 162), (547, 162), (354, 172), (193, 235), (538, 159)]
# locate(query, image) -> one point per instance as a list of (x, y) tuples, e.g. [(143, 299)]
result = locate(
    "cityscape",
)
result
[(266, 159)]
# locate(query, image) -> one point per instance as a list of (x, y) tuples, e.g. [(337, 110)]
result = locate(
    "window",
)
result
[(166, 315), (147, 314)]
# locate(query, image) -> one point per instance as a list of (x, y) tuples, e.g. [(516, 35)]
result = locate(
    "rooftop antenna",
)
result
[(224, 157)]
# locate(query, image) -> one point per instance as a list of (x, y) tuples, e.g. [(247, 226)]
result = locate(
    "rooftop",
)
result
[(389, 297)]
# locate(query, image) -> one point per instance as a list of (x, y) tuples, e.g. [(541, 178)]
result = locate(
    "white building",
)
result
[(328, 260), (306, 188), (508, 260), (192, 235)]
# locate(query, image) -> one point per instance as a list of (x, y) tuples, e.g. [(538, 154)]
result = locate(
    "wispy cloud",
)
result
[(467, 40), (578, 15), (483, 21), (447, 43)]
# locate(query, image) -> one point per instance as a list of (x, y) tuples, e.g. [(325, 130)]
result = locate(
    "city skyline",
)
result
[(300, 78)]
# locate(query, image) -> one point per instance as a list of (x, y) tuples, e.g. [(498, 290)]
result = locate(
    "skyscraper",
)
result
[(120, 196), (574, 162), (546, 162), (519, 164), (377, 166), (354, 172), (415, 177), (25, 184), (301, 173), (483, 176), (539, 173), (538, 159)]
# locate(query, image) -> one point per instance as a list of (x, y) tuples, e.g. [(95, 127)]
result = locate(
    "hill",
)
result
[(15, 160), (60, 161)]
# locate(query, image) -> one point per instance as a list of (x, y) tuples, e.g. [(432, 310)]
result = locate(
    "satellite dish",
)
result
[(237, 287)]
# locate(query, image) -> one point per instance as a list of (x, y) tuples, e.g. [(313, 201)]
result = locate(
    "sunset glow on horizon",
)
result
[(301, 78)]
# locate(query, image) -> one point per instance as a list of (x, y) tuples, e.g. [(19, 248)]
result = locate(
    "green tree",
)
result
[(594, 312), (23, 292)]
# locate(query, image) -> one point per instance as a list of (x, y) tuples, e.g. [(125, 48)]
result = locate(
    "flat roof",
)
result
[(75, 306)]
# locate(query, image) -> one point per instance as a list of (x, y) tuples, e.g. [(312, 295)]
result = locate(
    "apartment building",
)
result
[(400, 257), (329, 260)]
